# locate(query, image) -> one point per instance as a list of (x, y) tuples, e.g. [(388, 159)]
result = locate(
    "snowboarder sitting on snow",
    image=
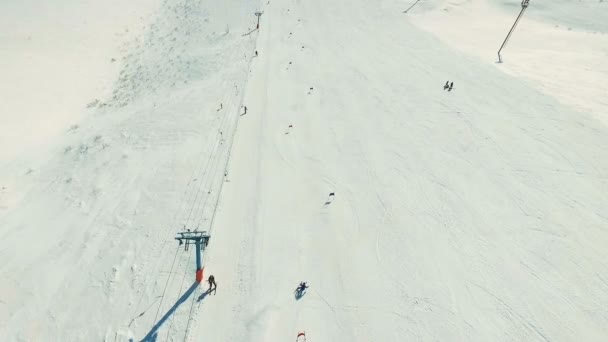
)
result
[(212, 284)]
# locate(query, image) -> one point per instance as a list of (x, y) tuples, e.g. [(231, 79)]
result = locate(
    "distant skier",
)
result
[(300, 290), (330, 198), (451, 86), (245, 110), (447, 85), (212, 284), (256, 53)]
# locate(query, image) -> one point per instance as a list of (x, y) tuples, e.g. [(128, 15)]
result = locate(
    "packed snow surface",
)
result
[(321, 148)]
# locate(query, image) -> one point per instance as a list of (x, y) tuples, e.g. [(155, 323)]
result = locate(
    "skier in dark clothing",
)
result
[(212, 284), (447, 85), (299, 292), (451, 85)]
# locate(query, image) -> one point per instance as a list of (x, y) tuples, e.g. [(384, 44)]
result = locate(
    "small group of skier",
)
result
[(213, 286), (448, 85)]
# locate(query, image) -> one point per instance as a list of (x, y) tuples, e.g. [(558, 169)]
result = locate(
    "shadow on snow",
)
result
[(299, 294), (153, 333)]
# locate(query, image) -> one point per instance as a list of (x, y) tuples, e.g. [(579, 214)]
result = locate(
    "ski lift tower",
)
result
[(524, 5), (258, 14), (200, 239)]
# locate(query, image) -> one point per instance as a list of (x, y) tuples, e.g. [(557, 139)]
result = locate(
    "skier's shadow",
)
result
[(299, 294), (203, 295)]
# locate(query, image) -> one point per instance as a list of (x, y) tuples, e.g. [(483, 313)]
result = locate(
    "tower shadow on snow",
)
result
[(153, 333)]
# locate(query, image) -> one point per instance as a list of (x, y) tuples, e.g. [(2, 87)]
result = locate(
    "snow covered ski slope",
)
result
[(474, 215), (414, 213), (87, 219)]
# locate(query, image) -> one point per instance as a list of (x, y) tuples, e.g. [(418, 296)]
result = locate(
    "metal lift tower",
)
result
[(524, 5), (258, 14), (200, 239)]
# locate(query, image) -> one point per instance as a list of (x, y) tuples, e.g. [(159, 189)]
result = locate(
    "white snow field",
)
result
[(55, 57), (476, 214)]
